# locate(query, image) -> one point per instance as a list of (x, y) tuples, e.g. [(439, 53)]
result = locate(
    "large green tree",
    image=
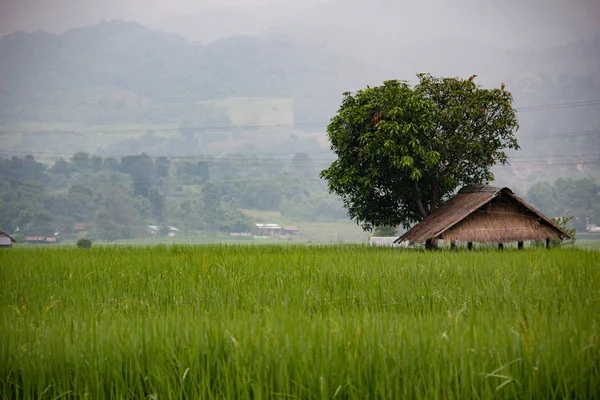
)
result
[(403, 150)]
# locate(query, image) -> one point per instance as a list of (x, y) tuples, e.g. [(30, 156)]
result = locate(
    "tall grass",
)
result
[(298, 322)]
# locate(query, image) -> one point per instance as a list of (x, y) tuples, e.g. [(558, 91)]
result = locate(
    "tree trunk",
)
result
[(520, 245), (433, 199), (470, 245), (420, 205), (422, 209)]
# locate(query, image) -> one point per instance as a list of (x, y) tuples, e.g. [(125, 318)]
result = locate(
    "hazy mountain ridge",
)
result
[(506, 24), (121, 72), (41, 68)]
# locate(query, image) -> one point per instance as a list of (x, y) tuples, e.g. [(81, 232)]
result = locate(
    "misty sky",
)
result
[(51, 14), (505, 23)]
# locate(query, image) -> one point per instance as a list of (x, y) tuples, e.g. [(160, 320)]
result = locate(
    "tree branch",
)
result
[(422, 210), (433, 201)]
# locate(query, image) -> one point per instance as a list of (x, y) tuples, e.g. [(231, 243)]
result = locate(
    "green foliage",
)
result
[(543, 196), (564, 223), (19, 238), (402, 151), (579, 198), (322, 322), (119, 199), (193, 172), (84, 243), (320, 206), (385, 231)]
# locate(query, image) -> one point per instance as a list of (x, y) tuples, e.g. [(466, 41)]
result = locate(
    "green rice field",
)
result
[(298, 322)]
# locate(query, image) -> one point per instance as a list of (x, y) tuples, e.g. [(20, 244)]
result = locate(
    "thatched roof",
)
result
[(485, 214)]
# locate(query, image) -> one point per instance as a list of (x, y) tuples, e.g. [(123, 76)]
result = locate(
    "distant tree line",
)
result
[(116, 197), (568, 197)]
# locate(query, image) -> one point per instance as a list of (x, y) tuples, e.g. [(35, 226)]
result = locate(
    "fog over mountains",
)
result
[(506, 24)]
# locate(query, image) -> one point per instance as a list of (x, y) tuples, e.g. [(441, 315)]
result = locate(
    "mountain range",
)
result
[(124, 73)]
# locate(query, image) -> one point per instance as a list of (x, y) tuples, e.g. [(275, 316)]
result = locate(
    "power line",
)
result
[(551, 136), (240, 181), (562, 135), (191, 103), (199, 157), (559, 105), (244, 161), (259, 158), (327, 165), (555, 156), (100, 131), (551, 164), (174, 184)]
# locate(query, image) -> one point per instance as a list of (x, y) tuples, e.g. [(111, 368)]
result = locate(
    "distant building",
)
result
[(79, 227), (156, 229), (593, 229), (241, 234), (40, 240), (5, 239), (268, 229), (289, 230), (35, 239), (386, 241)]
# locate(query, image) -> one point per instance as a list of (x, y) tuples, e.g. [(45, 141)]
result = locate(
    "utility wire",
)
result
[(240, 181), (100, 131), (253, 127), (268, 159), (562, 135), (560, 105)]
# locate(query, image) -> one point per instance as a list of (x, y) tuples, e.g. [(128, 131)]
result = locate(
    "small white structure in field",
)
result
[(170, 230), (593, 228), (385, 241), (5, 239), (269, 229)]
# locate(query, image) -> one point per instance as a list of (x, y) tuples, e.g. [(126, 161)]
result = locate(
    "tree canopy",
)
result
[(402, 151)]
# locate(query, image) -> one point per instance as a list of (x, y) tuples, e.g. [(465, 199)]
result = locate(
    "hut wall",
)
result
[(499, 222)]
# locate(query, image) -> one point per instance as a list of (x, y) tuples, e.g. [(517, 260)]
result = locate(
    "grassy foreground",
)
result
[(298, 322)]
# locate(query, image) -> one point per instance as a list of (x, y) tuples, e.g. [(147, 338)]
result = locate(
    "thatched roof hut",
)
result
[(485, 214)]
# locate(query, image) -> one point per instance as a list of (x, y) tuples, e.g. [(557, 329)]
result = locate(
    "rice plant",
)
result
[(298, 322)]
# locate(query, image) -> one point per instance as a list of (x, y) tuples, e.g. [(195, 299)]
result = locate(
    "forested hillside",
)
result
[(121, 72)]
